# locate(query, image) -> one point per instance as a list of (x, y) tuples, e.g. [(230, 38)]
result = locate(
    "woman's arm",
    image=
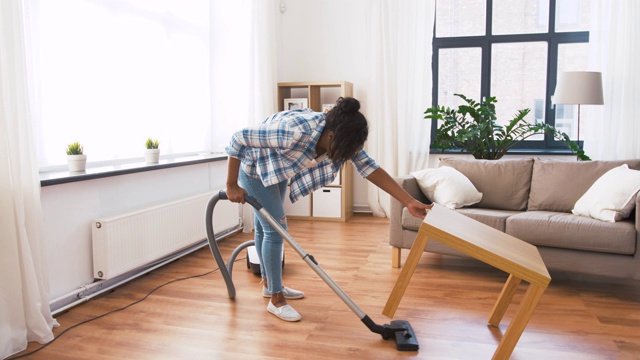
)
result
[(384, 181), (234, 192)]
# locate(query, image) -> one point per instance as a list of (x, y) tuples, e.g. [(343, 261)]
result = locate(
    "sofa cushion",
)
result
[(504, 184), (497, 219), (556, 185), (563, 230), (612, 197), (447, 186)]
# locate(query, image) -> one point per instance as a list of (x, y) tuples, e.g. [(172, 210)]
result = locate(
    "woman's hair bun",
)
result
[(348, 105)]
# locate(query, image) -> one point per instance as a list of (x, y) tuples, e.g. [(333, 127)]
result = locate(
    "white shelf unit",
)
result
[(333, 202)]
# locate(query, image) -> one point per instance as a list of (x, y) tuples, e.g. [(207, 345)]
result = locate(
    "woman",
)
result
[(304, 149)]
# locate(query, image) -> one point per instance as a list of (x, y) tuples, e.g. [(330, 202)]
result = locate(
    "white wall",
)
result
[(325, 41), (70, 209)]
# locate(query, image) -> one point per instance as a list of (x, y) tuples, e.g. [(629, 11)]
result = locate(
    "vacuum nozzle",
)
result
[(405, 337), (400, 330)]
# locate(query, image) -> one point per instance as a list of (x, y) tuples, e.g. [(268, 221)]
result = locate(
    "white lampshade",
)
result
[(579, 87)]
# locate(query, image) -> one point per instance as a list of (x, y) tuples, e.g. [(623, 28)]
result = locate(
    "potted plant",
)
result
[(76, 160), (472, 128), (153, 152)]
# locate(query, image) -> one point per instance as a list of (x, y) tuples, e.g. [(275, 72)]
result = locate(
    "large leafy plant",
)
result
[(473, 128)]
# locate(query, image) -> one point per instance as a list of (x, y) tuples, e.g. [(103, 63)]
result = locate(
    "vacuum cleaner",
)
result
[(399, 330)]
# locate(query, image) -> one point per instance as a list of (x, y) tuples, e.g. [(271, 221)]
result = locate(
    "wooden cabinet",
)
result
[(333, 202)]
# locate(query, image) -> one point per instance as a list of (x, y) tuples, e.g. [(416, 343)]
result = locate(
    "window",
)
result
[(513, 50), (110, 74)]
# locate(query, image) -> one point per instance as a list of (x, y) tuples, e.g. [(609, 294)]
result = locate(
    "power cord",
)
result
[(117, 310)]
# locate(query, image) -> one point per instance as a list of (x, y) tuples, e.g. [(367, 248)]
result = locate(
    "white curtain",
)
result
[(400, 41), (613, 39), (243, 69), (243, 64), (24, 305)]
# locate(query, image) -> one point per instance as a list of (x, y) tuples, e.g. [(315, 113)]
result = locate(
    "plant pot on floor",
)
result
[(152, 156), (77, 163)]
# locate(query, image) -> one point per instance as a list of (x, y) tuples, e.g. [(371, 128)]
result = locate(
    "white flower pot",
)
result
[(77, 163), (152, 156)]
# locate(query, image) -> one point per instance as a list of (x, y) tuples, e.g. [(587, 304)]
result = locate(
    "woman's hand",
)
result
[(235, 193), (385, 182), (418, 209)]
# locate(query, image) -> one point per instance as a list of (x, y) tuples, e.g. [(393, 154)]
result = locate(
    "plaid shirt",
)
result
[(279, 148)]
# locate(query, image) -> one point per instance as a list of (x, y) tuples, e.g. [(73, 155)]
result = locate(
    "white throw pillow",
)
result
[(447, 186), (612, 197)]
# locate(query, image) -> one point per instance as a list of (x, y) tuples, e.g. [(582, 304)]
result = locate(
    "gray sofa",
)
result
[(532, 200)]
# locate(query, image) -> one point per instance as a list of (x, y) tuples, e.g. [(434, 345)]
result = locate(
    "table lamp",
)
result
[(581, 88)]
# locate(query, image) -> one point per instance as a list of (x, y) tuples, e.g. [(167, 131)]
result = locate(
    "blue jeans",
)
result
[(268, 241)]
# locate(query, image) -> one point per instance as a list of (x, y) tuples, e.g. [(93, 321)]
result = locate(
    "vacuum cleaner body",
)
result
[(398, 330), (253, 260)]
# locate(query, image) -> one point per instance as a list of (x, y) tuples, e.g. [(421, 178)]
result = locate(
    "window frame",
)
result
[(484, 42)]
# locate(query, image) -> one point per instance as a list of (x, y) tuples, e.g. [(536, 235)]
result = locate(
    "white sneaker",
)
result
[(289, 294), (285, 312)]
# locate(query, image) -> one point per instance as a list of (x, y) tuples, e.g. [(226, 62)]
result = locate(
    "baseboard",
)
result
[(362, 209)]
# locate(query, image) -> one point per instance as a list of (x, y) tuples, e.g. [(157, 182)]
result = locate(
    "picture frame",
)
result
[(295, 104), (327, 107)]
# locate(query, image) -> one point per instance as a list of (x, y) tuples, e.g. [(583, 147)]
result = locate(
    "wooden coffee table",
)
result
[(520, 259)]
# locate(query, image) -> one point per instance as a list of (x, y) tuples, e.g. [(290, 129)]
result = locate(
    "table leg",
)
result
[(519, 322), (417, 249), (504, 300)]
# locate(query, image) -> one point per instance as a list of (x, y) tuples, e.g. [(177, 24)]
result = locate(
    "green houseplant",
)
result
[(152, 144), (74, 149), (153, 151), (472, 128), (76, 159)]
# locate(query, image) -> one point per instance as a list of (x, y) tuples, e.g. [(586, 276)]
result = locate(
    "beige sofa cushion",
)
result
[(504, 183), (556, 185), (497, 219), (568, 231)]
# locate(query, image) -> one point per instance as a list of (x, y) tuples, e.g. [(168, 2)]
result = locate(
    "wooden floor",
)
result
[(447, 303)]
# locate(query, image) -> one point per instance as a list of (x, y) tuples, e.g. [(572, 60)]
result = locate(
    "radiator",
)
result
[(128, 241)]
